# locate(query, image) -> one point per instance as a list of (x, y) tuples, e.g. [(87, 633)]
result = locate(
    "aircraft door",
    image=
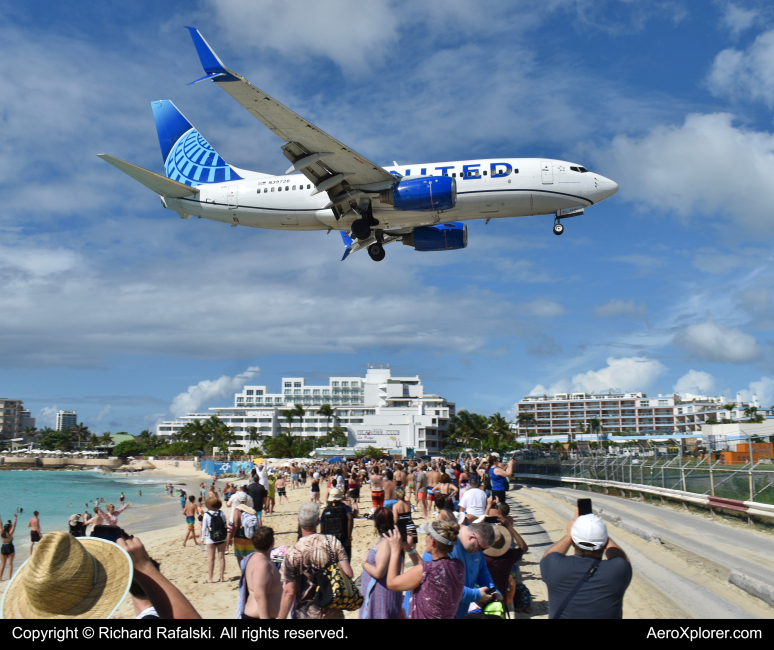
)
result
[(546, 172), (233, 196)]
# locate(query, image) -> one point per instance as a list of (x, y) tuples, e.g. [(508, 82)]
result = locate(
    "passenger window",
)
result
[(515, 171), (265, 189), (484, 172), (309, 187), (272, 189), (294, 187), (287, 188), (454, 174)]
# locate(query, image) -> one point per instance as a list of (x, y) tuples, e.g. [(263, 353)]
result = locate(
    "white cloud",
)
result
[(762, 389), (621, 308), (738, 19), (46, 417), (103, 413), (208, 390), (544, 308), (628, 373), (715, 342), (695, 381), (706, 164), (644, 263), (747, 74)]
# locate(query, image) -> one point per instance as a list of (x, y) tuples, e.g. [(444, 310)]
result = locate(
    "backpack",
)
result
[(487, 481), (249, 522), (217, 527), (336, 522)]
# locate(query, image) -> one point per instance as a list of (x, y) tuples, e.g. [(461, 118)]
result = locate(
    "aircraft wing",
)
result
[(321, 158)]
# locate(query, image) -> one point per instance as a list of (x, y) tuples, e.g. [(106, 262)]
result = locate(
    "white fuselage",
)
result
[(540, 186)]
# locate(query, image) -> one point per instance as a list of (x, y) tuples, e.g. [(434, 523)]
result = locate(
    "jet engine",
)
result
[(426, 193), (443, 237)]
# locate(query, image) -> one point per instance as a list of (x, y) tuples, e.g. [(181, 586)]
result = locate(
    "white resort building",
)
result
[(378, 409), (561, 414)]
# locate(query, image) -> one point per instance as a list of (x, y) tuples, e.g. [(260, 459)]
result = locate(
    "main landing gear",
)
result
[(558, 227), (376, 251)]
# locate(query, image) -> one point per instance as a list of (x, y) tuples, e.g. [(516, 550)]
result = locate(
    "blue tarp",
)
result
[(335, 459), (225, 467)]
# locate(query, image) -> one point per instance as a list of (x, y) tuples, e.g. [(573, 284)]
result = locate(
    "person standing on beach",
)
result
[(96, 520), (8, 551), (421, 486), (261, 590), (111, 516), (35, 533), (377, 489), (189, 511), (121, 499), (257, 492), (280, 485), (309, 555), (214, 536), (270, 493)]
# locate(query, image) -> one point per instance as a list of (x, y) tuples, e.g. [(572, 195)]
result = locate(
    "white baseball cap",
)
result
[(589, 532)]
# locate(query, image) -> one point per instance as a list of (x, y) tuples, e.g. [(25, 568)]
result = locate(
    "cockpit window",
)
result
[(581, 170)]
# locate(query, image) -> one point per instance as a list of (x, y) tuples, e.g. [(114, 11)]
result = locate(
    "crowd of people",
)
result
[(445, 545)]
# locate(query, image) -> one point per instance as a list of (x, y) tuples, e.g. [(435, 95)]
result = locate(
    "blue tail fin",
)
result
[(188, 157)]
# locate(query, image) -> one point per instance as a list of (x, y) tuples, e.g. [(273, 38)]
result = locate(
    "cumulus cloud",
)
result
[(763, 389), (46, 417), (716, 342), (695, 381), (746, 73), (707, 164), (627, 373), (621, 308), (630, 374), (208, 390)]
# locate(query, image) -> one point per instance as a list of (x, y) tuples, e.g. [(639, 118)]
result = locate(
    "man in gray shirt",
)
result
[(600, 584)]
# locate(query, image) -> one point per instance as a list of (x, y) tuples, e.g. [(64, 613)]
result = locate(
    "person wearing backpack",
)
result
[(243, 524), (215, 536), (337, 520)]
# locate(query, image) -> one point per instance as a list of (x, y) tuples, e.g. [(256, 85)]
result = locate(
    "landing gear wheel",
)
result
[(558, 228), (376, 251), (360, 229)]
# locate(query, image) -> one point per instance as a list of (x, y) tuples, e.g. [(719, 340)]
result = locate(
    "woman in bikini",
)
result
[(8, 551)]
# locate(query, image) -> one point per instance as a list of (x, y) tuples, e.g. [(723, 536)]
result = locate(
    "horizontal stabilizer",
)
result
[(156, 182)]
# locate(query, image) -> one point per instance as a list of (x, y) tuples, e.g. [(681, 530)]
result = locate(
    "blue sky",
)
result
[(113, 306)]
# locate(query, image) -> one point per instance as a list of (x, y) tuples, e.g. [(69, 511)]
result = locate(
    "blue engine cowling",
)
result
[(422, 194), (443, 237)]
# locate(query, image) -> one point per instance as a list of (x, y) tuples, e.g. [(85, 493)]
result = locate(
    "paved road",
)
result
[(750, 552), (729, 547)]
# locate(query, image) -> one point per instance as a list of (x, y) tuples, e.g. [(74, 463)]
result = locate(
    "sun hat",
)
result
[(73, 518), (244, 508), (68, 577), (335, 494), (589, 533), (502, 544)]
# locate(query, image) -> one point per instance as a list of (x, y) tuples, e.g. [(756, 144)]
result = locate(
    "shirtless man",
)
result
[(421, 487), (433, 478), (35, 534), (389, 489), (189, 511), (377, 488), (96, 520), (262, 578), (400, 476)]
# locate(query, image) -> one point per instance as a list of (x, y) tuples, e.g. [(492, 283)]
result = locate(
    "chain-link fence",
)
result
[(701, 476)]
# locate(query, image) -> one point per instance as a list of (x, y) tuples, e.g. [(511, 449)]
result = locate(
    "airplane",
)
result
[(329, 186)]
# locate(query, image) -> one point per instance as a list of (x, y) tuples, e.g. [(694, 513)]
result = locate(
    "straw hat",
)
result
[(502, 544), (244, 508), (69, 578), (335, 494)]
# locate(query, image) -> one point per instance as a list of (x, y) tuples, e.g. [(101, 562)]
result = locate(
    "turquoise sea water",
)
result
[(57, 495)]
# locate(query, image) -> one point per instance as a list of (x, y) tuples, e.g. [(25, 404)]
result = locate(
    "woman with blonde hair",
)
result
[(437, 585)]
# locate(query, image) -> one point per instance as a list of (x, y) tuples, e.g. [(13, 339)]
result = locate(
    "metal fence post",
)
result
[(712, 477)]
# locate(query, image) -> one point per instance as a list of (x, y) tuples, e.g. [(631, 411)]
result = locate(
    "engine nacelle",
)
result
[(422, 194), (443, 237)]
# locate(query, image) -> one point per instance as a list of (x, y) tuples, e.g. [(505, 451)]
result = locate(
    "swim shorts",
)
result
[(421, 496), (377, 499), (281, 492), (190, 521)]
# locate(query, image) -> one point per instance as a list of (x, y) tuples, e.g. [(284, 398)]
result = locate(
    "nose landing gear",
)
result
[(558, 227)]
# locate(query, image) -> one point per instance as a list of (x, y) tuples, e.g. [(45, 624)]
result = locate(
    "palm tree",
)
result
[(106, 439), (594, 425), (526, 419), (29, 432), (253, 436), (297, 411), (93, 442), (78, 432), (327, 412), (580, 427), (286, 445)]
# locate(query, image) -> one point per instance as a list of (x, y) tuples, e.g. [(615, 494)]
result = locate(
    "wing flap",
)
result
[(156, 182)]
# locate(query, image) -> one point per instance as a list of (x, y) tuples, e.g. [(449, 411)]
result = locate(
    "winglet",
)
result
[(348, 243), (212, 65)]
